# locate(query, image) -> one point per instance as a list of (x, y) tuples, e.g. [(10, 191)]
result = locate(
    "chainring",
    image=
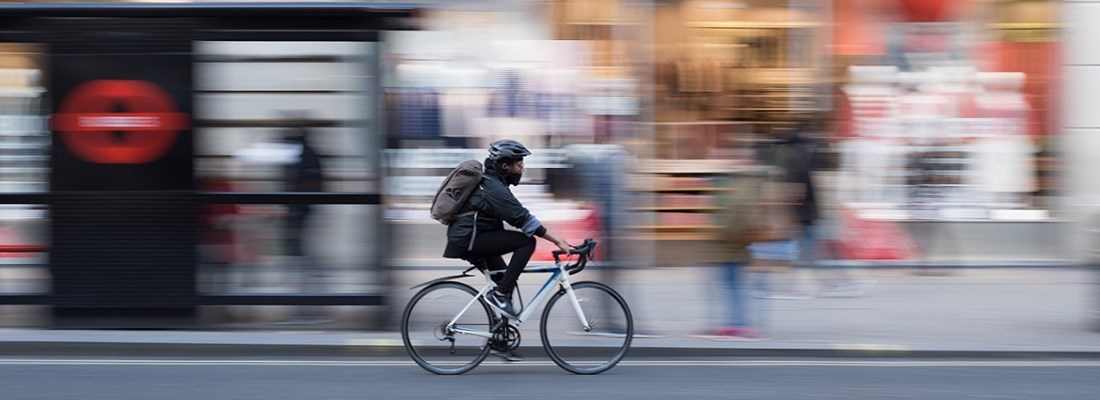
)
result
[(506, 338)]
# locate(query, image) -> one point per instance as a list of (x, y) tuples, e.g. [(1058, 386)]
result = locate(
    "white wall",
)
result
[(1081, 119)]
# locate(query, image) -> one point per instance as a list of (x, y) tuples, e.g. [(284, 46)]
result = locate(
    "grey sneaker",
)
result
[(501, 303), (509, 356)]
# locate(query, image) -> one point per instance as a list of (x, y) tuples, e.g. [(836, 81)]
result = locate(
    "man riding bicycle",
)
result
[(482, 223)]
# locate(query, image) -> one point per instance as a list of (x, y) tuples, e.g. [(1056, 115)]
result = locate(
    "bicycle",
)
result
[(448, 328)]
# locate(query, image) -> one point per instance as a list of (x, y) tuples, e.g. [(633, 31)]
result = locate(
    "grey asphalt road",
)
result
[(376, 378)]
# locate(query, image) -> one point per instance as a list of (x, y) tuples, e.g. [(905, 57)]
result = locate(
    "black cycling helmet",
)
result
[(507, 150)]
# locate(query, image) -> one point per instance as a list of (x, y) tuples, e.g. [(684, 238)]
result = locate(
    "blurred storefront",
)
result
[(724, 73), (966, 85), (938, 114), (944, 114)]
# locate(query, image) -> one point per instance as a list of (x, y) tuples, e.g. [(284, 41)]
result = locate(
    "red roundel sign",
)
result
[(119, 121)]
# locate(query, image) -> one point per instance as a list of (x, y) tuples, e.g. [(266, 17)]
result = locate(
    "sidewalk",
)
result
[(978, 312)]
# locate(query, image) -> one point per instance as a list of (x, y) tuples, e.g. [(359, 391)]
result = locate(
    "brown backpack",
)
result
[(455, 190)]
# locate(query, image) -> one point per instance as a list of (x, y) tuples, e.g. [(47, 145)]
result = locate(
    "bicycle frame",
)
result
[(558, 276)]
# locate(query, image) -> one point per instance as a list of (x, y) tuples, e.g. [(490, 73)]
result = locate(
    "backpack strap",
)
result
[(473, 236), (470, 247)]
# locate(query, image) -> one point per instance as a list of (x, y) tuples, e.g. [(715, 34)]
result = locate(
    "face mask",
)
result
[(513, 179)]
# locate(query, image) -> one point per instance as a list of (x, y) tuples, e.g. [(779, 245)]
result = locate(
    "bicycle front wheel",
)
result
[(437, 345), (593, 350)]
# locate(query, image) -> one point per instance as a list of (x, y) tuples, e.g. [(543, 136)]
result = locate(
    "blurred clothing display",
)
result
[(459, 106), (414, 112), (512, 97), (1005, 164), (938, 140)]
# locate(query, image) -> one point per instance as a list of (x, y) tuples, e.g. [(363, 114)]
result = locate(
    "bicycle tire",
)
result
[(587, 352), (432, 308)]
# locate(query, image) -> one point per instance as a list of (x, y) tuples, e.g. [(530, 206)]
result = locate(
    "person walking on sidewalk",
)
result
[(303, 174), (743, 222), (799, 154), (787, 208)]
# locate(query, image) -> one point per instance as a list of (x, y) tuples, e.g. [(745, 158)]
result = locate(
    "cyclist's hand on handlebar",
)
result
[(564, 247)]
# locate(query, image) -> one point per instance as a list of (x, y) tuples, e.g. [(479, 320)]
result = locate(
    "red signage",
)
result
[(119, 122), (929, 10)]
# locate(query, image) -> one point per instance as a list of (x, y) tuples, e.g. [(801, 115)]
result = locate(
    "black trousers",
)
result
[(492, 245)]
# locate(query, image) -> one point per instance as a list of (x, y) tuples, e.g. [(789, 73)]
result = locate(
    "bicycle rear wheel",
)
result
[(437, 347), (590, 351)]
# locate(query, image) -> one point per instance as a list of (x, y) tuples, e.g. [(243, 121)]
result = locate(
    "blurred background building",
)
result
[(940, 117), (960, 129)]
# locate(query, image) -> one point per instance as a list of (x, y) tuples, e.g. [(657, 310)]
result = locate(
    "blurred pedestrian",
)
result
[(743, 221), (597, 176), (303, 174), (788, 208), (798, 154)]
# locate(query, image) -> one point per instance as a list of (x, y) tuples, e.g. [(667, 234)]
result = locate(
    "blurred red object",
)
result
[(573, 231), (13, 246), (870, 239), (218, 234), (859, 27), (929, 10)]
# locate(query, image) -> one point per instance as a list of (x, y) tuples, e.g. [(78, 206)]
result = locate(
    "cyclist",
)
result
[(482, 220)]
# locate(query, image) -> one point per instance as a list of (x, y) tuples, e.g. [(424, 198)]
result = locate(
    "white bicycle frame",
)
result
[(558, 275)]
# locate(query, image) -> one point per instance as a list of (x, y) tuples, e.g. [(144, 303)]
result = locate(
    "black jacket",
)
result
[(796, 157), (304, 174), (494, 204)]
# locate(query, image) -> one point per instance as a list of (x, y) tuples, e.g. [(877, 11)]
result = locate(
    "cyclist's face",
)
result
[(516, 167), (514, 172)]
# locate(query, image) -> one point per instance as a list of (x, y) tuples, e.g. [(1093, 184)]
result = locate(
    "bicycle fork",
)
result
[(576, 304)]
